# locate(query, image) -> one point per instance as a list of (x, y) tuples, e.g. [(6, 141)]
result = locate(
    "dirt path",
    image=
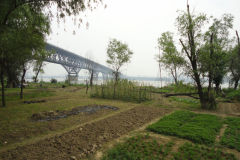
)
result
[(86, 140)]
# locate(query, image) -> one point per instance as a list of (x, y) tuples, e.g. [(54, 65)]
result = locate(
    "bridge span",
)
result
[(73, 63)]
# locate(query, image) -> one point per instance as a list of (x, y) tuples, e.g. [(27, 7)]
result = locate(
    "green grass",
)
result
[(199, 128), (145, 147), (12, 94), (232, 94), (185, 100), (190, 151), (173, 88), (139, 147), (231, 137), (17, 126)]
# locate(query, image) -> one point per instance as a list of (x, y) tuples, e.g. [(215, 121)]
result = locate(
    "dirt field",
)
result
[(86, 140)]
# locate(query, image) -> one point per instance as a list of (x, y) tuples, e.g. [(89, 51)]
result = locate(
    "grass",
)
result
[(199, 128), (186, 100), (139, 147), (232, 94), (231, 137), (145, 147), (173, 88), (17, 127), (190, 151), (12, 94), (124, 90)]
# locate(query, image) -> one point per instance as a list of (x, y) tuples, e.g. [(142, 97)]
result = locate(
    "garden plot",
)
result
[(199, 128), (147, 147), (231, 137)]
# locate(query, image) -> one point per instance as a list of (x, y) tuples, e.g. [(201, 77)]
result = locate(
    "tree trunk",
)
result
[(217, 88), (22, 80), (236, 84), (35, 78), (210, 74), (2, 84), (91, 79)]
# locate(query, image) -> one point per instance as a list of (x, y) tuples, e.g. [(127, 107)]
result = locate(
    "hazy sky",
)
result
[(137, 22)]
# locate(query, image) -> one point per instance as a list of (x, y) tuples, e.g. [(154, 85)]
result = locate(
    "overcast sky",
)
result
[(137, 22)]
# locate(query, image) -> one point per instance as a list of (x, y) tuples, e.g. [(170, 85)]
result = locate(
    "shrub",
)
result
[(53, 80)]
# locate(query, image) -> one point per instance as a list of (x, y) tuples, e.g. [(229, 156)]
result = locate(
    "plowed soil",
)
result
[(85, 140)]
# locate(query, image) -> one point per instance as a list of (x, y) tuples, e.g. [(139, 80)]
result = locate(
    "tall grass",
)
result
[(122, 90)]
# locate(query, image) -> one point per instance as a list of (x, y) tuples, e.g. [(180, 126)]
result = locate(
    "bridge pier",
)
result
[(72, 74)]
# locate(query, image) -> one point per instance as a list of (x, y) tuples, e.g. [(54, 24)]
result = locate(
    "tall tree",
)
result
[(190, 28), (214, 54), (10, 7), (25, 38), (118, 54), (171, 58)]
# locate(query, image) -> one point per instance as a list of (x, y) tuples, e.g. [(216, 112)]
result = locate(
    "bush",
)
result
[(53, 80), (124, 90), (199, 128)]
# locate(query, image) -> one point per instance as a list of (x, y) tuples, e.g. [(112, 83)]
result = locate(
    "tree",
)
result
[(118, 54), (214, 53), (24, 40), (234, 62), (171, 58), (39, 63), (190, 29), (9, 7)]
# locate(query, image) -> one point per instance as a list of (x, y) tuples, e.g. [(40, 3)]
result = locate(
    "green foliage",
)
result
[(171, 58), (179, 88), (139, 147), (232, 94), (190, 151), (231, 137), (124, 90), (118, 54), (53, 80), (214, 54), (199, 128)]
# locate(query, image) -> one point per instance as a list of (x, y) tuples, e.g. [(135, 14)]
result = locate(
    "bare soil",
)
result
[(54, 115), (232, 109), (86, 140)]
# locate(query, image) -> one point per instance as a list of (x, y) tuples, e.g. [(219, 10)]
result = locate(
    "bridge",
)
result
[(74, 63)]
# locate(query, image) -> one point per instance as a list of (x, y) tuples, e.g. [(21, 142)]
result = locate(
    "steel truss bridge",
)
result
[(74, 63)]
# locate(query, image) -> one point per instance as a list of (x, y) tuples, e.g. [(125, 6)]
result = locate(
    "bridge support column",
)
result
[(72, 74)]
